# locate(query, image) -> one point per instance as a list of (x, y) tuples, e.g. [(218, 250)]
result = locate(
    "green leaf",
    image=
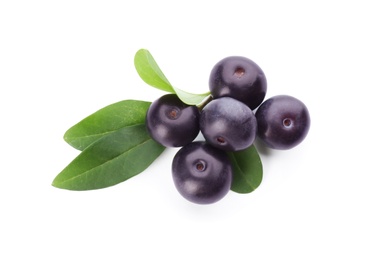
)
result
[(247, 170), (105, 121), (189, 98), (151, 74), (112, 159)]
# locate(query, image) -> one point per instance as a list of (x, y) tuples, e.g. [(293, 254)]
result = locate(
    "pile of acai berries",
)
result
[(230, 120)]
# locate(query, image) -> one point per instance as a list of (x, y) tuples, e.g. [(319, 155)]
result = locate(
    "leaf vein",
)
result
[(242, 173), (85, 173)]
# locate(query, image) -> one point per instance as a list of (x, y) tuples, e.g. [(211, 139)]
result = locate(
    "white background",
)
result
[(62, 60)]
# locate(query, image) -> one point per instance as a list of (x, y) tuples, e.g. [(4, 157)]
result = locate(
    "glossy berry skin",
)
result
[(240, 78), (172, 123), (228, 124), (201, 173), (283, 122)]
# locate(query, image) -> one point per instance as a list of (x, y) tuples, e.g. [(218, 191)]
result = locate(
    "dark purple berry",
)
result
[(283, 122), (228, 124), (172, 123), (202, 174), (239, 78)]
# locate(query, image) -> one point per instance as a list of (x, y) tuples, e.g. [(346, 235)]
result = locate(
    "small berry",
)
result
[(202, 173), (172, 123), (228, 124), (283, 122), (239, 78)]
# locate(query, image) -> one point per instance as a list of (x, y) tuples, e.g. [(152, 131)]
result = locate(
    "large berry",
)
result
[(283, 122), (228, 124), (240, 78), (202, 174), (172, 123)]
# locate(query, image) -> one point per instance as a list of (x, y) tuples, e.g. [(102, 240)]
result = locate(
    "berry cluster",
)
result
[(201, 170)]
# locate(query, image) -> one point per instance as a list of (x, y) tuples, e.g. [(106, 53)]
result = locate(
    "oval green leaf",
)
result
[(247, 170), (110, 160), (149, 71), (105, 121)]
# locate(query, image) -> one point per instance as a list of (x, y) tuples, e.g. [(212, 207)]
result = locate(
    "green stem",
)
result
[(204, 102)]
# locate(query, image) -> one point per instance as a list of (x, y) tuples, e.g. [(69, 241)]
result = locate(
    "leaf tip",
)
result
[(142, 50), (55, 184), (66, 137)]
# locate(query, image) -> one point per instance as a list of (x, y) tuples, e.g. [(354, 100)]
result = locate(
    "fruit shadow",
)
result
[(262, 148)]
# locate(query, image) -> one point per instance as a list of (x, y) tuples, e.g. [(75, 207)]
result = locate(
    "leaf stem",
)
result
[(204, 102)]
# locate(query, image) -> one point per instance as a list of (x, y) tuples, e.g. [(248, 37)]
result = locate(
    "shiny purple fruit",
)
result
[(228, 124), (202, 173), (283, 122), (240, 78), (172, 123)]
